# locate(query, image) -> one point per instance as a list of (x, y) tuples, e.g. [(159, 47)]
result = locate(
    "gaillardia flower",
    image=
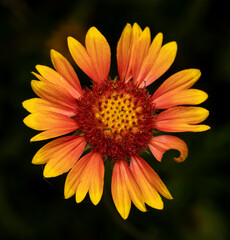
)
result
[(116, 118)]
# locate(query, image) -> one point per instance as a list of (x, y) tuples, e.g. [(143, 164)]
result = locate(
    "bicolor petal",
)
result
[(174, 91), (38, 104), (124, 53), (86, 175), (45, 120), (51, 76), (53, 94), (165, 58), (150, 194), (94, 60), (64, 68), (147, 174), (160, 144), (150, 58), (182, 119), (60, 155), (54, 124), (125, 189)]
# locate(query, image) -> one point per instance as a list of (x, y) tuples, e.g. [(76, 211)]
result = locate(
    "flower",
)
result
[(116, 118)]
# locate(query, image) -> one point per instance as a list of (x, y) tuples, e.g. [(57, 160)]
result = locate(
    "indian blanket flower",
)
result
[(116, 118)]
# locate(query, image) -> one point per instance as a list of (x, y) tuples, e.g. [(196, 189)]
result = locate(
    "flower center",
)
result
[(117, 113), (116, 117)]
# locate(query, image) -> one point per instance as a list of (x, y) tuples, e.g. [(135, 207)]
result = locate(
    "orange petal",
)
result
[(64, 68), (120, 192), (163, 62), (139, 165), (124, 47), (61, 155), (86, 175), (182, 119), (45, 120), (38, 104), (160, 144), (94, 60), (51, 76), (175, 98), (151, 196)]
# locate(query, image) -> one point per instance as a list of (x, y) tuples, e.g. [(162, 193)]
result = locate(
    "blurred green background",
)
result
[(32, 207)]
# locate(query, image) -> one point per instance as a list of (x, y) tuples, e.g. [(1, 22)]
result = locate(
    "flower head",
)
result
[(116, 118)]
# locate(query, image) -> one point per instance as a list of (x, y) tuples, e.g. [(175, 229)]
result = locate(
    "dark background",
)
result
[(32, 207)]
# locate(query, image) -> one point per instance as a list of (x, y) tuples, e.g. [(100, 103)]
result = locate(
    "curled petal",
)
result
[(146, 175), (160, 144), (64, 68), (86, 175), (182, 119), (124, 189), (94, 60)]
